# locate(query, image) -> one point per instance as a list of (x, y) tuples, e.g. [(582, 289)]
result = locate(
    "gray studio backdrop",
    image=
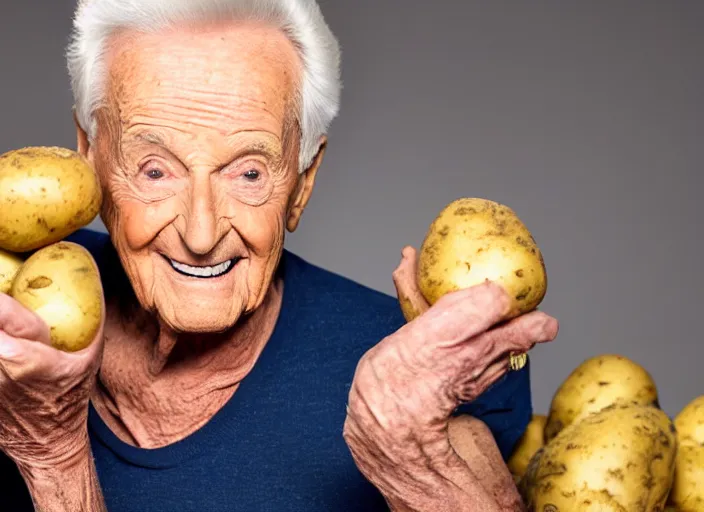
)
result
[(585, 117)]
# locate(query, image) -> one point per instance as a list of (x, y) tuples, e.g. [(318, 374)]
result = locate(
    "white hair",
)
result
[(318, 96)]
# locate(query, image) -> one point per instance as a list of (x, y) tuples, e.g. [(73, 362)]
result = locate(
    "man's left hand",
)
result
[(406, 388)]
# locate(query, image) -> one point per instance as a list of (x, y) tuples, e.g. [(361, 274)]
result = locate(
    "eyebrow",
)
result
[(263, 148), (150, 137)]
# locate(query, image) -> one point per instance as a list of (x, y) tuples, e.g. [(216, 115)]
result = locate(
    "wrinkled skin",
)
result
[(406, 388), (200, 171), (44, 395), (197, 156)]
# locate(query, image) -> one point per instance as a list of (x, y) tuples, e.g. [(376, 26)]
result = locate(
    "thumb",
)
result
[(19, 322), (413, 304)]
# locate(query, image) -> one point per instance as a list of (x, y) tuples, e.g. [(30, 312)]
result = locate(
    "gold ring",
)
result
[(516, 361)]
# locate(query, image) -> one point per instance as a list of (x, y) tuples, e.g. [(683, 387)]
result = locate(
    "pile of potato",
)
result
[(46, 194), (605, 446)]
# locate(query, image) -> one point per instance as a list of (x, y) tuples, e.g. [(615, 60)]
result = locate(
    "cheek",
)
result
[(260, 227), (140, 222)]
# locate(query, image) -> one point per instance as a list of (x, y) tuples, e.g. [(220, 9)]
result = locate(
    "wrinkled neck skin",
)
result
[(197, 159), (156, 387)]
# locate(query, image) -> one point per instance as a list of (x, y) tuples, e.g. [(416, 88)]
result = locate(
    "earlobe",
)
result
[(305, 188), (82, 143)]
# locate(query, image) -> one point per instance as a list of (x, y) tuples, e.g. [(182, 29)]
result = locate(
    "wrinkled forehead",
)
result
[(230, 76)]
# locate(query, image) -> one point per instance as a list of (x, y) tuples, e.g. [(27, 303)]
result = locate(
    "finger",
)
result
[(19, 322), (405, 277), (462, 315), (519, 335), (473, 386), (24, 356), (20, 358), (23, 360)]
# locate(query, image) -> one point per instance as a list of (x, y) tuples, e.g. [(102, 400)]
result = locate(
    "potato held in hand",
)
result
[(46, 193), (474, 240), (598, 383), (9, 266), (619, 459), (61, 284)]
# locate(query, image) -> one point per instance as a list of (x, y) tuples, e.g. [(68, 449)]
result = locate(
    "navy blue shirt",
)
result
[(277, 444)]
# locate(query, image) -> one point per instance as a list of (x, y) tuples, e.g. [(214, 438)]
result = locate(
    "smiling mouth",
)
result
[(204, 272)]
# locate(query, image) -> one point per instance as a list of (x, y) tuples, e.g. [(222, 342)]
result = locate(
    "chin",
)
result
[(196, 320), (189, 304)]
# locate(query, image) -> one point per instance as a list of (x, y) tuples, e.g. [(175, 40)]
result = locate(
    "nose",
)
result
[(201, 231)]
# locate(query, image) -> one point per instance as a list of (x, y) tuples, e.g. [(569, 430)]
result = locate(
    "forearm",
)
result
[(477, 479), (73, 487), (466, 494), (440, 481)]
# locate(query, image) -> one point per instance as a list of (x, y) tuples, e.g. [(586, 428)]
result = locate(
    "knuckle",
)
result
[(399, 271), (496, 296), (365, 362), (396, 276), (347, 430), (514, 334), (364, 386), (15, 371), (483, 348), (447, 300)]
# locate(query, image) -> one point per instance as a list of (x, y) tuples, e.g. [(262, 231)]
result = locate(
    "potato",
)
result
[(528, 445), (597, 383), (687, 493), (619, 459), (9, 266), (61, 284), (46, 193), (690, 423), (473, 240)]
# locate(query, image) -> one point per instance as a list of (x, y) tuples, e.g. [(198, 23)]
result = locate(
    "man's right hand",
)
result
[(44, 393)]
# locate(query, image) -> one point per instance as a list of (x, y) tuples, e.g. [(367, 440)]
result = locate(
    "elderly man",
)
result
[(230, 374)]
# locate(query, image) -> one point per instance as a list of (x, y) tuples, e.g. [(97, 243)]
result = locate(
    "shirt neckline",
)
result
[(218, 426)]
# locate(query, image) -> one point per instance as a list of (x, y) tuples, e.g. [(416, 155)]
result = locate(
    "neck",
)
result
[(157, 386)]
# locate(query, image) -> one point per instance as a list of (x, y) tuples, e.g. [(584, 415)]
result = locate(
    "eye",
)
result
[(154, 174), (252, 175)]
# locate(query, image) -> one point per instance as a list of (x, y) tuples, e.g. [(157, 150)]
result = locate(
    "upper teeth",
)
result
[(209, 271)]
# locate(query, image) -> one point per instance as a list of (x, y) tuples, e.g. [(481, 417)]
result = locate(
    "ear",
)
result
[(82, 142), (306, 181)]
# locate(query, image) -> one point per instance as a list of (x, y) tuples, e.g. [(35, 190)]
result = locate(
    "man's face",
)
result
[(197, 153)]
